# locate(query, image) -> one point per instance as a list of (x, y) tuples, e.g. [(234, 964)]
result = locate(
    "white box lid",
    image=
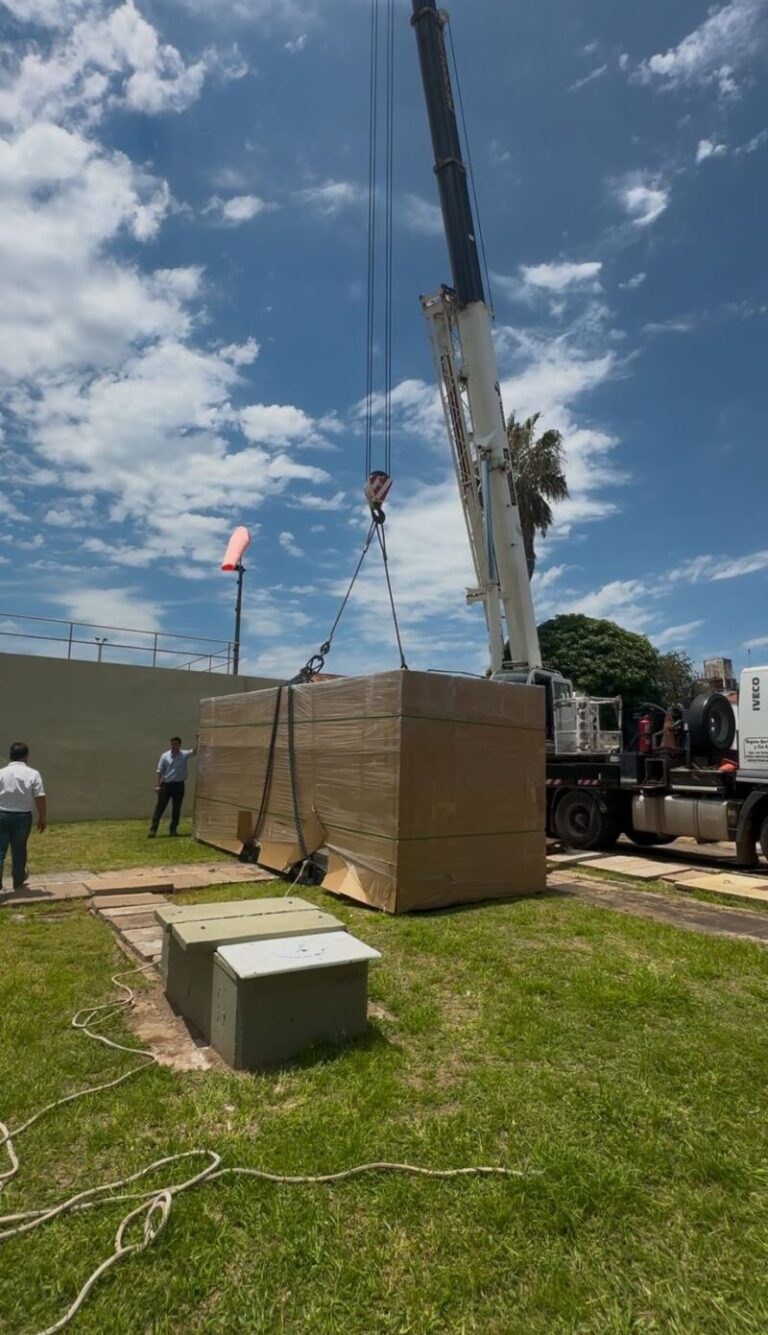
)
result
[(259, 959)]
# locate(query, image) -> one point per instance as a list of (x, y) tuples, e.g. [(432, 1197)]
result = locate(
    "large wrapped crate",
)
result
[(425, 790)]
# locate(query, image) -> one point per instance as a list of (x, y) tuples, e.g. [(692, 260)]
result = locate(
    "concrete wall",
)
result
[(96, 730)]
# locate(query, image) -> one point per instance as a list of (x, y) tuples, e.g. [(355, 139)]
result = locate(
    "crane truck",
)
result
[(657, 775)]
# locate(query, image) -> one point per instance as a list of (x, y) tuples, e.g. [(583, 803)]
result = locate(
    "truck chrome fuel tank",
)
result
[(699, 818)]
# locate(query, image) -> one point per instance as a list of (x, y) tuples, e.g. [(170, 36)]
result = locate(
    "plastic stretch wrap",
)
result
[(425, 790)]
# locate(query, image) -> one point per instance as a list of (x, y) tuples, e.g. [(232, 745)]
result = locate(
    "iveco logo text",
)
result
[(756, 693)]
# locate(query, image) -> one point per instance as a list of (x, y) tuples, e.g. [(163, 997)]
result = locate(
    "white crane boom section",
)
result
[(474, 418)]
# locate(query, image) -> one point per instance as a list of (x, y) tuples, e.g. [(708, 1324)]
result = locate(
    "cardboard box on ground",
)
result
[(426, 790)]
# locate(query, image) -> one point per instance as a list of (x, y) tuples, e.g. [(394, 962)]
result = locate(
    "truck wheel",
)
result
[(581, 824), (764, 837), (645, 839)]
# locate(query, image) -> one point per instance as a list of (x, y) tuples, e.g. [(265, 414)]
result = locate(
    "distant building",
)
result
[(718, 673)]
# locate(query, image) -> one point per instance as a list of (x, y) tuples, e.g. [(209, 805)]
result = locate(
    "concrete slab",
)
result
[(49, 894), (130, 921), (644, 869), (142, 935), (59, 878), (724, 883), (568, 858), (167, 914), (145, 942), (132, 901), (127, 911), (125, 882)]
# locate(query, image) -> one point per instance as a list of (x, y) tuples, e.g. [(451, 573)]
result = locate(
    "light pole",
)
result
[(240, 568), (101, 641), (233, 560)]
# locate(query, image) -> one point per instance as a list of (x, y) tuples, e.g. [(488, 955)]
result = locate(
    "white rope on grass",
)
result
[(153, 1209)]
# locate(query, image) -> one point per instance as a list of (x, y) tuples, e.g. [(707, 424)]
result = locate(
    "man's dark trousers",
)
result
[(173, 793), (14, 833)]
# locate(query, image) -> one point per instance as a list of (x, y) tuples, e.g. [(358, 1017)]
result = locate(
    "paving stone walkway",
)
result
[(167, 879), (127, 901)]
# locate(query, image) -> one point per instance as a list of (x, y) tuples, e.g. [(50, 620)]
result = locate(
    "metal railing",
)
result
[(155, 646)]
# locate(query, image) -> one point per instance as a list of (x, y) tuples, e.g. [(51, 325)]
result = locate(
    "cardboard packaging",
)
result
[(424, 790)]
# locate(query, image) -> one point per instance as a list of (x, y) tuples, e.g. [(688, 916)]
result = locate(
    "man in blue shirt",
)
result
[(169, 785)]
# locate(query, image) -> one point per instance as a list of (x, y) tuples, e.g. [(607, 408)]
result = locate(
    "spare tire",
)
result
[(711, 724)]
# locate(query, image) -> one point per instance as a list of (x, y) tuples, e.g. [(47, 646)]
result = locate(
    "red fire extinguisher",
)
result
[(645, 734)]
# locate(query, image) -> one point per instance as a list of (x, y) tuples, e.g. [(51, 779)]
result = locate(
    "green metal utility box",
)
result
[(192, 946), (273, 999)]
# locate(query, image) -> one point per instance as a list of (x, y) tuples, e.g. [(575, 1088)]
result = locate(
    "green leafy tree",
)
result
[(537, 466), (601, 658), (676, 679)]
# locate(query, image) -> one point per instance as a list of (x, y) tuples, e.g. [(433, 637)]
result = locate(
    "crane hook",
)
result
[(377, 489)]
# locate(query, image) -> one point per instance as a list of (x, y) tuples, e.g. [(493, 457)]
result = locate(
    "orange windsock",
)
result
[(237, 544)]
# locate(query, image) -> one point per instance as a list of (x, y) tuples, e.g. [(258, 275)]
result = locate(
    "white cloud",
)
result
[(752, 145), (295, 15), (709, 149), (548, 372), (714, 52), (63, 300), (643, 198), (48, 13), (561, 276), (676, 637), (277, 425), (416, 408), (498, 154), (308, 501), (297, 44), (237, 209), (333, 198), (708, 567), (622, 600), (420, 215), (111, 58), (110, 607), (634, 282), (429, 553), (241, 354), (668, 327), (98, 370), (289, 545), (70, 516), (588, 78), (152, 436)]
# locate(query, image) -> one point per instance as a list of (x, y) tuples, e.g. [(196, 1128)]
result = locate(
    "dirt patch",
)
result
[(154, 1021), (691, 915)]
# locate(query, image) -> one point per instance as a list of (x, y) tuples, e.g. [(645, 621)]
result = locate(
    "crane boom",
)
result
[(481, 450)]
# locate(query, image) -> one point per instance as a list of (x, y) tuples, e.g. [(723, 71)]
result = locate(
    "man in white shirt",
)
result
[(21, 795), (169, 785)]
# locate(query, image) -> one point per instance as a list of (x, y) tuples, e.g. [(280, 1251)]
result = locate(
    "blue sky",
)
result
[(182, 277)]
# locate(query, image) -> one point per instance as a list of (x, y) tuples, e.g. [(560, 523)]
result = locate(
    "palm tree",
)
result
[(537, 467)]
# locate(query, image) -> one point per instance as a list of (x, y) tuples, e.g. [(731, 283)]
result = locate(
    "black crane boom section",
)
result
[(450, 170)]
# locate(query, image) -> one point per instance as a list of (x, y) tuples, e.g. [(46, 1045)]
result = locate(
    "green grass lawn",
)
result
[(625, 1060), (109, 845)]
